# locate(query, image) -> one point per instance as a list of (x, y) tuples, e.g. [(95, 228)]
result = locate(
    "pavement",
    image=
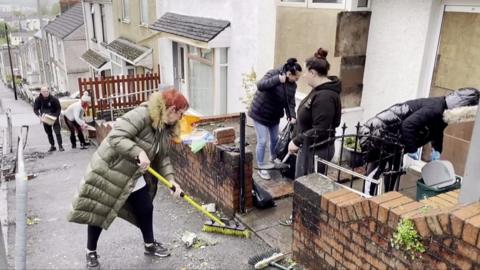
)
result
[(54, 243)]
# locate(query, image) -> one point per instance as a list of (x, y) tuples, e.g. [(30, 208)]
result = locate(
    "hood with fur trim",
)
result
[(460, 115), (158, 114)]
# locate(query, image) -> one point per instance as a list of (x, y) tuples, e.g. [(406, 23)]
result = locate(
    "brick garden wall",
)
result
[(212, 174), (337, 229)]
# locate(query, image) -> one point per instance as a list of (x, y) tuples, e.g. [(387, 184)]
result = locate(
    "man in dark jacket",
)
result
[(48, 104), (413, 124)]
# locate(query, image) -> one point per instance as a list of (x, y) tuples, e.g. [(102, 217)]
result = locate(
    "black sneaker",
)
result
[(74, 146), (156, 250), (60, 148), (83, 146), (52, 148), (92, 260)]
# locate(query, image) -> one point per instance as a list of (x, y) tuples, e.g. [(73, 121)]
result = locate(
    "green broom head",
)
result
[(230, 228)]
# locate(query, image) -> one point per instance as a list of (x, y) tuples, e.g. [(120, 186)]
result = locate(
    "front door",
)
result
[(457, 65)]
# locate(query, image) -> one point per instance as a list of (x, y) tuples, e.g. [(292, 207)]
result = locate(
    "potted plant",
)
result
[(354, 156)]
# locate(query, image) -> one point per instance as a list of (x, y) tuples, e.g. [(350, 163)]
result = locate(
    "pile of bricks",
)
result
[(224, 135), (337, 229), (102, 129)]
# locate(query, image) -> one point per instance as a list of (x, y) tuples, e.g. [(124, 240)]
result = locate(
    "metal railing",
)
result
[(111, 100), (21, 196), (9, 130), (385, 156)]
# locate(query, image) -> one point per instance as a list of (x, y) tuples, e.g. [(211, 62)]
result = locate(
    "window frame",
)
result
[(102, 21), (92, 17), (143, 21), (342, 6), (292, 4), (125, 13)]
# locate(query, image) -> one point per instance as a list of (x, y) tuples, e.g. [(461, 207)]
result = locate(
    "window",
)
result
[(223, 66), (362, 4), (333, 4), (200, 80), (102, 21), (125, 14), (144, 12), (327, 1), (92, 14)]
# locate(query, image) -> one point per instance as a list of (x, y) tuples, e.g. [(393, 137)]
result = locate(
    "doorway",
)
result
[(457, 65)]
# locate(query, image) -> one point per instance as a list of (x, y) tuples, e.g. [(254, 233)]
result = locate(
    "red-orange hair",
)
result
[(173, 97)]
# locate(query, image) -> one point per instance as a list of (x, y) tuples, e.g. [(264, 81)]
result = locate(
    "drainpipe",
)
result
[(471, 184)]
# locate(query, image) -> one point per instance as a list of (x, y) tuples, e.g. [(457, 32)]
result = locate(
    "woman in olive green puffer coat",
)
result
[(115, 184)]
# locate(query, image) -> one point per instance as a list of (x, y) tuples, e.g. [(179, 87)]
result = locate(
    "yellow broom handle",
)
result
[(185, 197)]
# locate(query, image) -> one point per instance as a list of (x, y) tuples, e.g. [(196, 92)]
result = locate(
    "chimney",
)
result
[(66, 4)]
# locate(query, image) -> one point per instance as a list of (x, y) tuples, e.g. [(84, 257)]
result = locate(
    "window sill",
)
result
[(125, 21), (104, 44), (94, 40)]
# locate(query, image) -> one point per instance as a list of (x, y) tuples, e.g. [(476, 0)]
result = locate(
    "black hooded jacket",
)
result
[(417, 122), (269, 102), (49, 105), (319, 113)]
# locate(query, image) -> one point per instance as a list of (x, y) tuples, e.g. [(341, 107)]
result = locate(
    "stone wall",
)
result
[(335, 228)]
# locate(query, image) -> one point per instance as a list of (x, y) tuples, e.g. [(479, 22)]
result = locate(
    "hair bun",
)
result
[(321, 54), (291, 61)]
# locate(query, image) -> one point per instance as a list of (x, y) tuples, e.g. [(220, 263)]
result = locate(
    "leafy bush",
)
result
[(406, 238), (249, 86), (350, 143)]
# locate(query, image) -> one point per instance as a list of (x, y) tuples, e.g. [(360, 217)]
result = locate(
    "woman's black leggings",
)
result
[(142, 206)]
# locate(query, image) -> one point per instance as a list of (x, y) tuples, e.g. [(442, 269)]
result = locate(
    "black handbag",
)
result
[(284, 138)]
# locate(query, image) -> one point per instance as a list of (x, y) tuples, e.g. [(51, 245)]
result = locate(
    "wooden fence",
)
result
[(118, 92)]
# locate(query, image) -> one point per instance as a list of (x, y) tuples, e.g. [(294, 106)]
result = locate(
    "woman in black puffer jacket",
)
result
[(275, 94), (412, 124)]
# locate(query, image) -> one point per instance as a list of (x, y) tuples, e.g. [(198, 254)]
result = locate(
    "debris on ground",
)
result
[(209, 207), (188, 238), (32, 220)]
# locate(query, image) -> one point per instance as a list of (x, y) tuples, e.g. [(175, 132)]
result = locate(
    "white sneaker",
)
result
[(266, 166), (264, 174), (277, 161)]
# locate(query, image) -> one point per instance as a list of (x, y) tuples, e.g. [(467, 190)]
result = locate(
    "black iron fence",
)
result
[(376, 156)]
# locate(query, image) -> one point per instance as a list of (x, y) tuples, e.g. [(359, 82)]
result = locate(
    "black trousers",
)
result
[(143, 208), (56, 128), (73, 126), (387, 163), (305, 159)]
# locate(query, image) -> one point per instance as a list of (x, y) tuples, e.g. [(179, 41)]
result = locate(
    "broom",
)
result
[(215, 225)]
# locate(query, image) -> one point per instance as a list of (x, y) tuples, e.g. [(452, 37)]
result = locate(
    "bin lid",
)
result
[(438, 173)]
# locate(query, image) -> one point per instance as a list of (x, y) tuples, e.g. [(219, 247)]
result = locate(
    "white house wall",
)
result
[(252, 44), (395, 53), (74, 47), (98, 27)]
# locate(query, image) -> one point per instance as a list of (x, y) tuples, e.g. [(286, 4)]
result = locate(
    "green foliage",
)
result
[(18, 80), (350, 143), (2, 30), (55, 10), (249, 86), (406, 238)]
